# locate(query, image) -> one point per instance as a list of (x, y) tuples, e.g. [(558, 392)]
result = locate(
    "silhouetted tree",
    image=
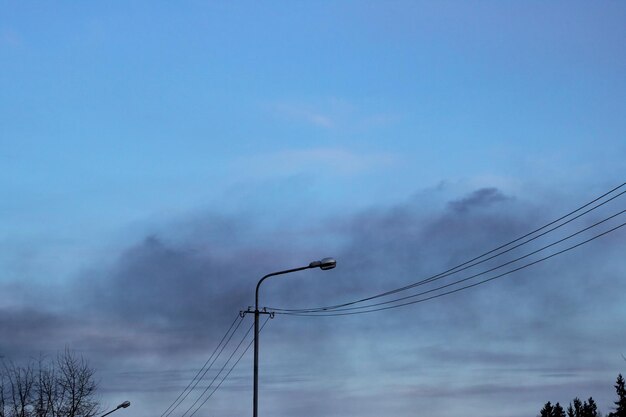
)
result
[(2, 401), (61, 388), (620, 404), (581, 409), (550, 410), (589, 409), (19, 387), (547, 410), (578, 407)]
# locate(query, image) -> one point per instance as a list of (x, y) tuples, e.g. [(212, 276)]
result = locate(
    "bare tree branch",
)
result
[(64, 387)]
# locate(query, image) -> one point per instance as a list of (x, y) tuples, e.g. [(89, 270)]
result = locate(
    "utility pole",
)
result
[(324, 264)]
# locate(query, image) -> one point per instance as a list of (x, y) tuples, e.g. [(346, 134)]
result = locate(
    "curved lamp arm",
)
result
[(324, 264)]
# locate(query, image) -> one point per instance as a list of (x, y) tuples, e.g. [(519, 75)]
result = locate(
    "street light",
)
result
[(324, 264), (125, 404)]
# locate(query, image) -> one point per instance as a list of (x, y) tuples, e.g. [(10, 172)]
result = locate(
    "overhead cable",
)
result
[(332, 313), (480, 273), (172, 407), (218, 374), (230, 370), (476, 260)]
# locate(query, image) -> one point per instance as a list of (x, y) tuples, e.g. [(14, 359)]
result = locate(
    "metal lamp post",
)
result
[(324, 264), (125, 404)]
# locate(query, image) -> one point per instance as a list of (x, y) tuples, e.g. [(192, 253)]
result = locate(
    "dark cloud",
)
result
[(191, 288), (157, 283), (26, 332), (484, 197), (168, 299)]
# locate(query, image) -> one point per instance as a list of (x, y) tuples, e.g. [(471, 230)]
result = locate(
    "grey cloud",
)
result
[(171, 296), (483, 197), (191, 288)]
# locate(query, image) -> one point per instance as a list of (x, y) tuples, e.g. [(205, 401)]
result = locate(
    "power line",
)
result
[(231, 369), (481, 273), (204, 367), (471, 263), (339, 310), (465, 264), (318, 314), (218, 374), (200, 370)]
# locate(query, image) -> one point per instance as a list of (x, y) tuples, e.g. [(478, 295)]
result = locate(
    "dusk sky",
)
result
[(158, 158)]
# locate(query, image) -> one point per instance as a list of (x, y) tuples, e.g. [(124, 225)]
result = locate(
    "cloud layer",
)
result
[(163, 303)]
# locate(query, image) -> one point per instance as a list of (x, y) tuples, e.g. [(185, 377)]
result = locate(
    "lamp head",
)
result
[(125, 404), (324, 264), (328, 263)]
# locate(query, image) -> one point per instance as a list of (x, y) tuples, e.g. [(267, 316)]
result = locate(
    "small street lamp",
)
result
[(324, 264), (125, 404)]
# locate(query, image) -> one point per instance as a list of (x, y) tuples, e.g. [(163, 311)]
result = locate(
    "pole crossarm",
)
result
[(250, 310)]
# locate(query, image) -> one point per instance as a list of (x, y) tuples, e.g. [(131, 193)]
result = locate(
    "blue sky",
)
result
[(226, 140)]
